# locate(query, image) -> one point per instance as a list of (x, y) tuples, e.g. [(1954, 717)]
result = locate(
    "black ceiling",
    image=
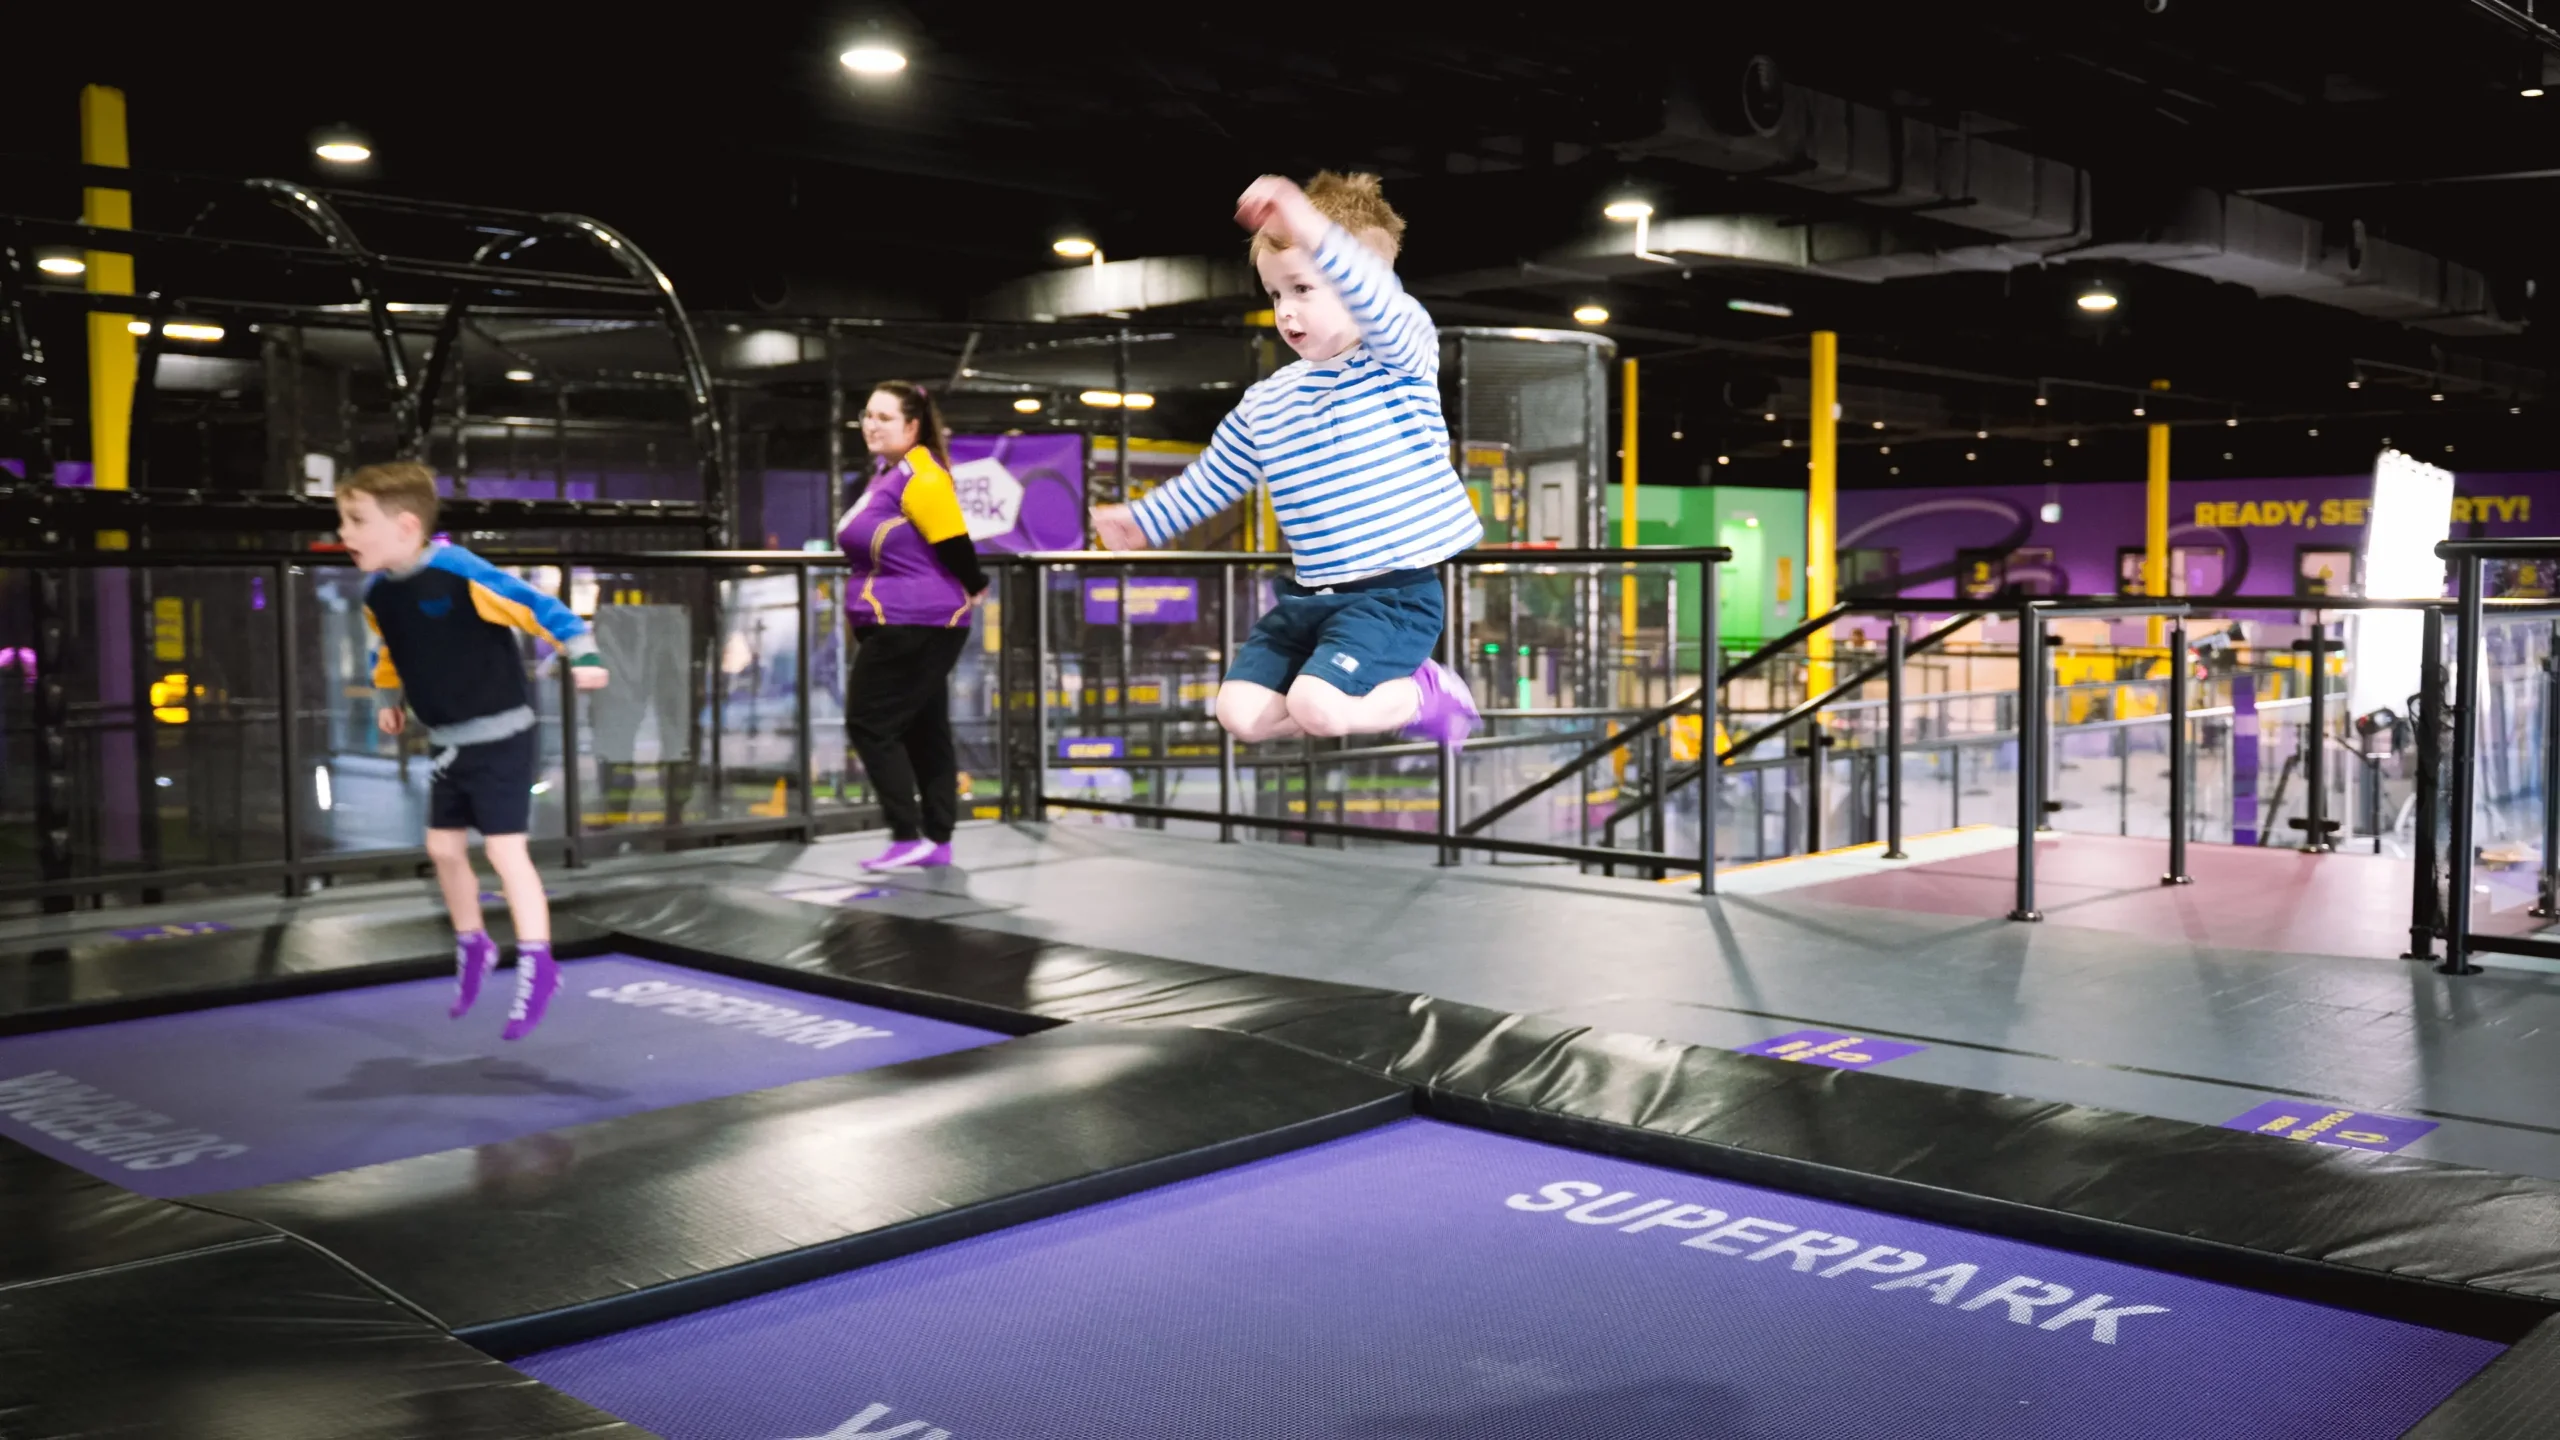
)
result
[(731, 144)]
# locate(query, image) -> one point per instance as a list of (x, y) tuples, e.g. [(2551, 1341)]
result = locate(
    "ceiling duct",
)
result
[(2037, 210), (1120, 287)]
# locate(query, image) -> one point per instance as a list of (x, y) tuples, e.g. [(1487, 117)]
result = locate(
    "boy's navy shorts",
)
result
[(1354, 637), (486, 787)]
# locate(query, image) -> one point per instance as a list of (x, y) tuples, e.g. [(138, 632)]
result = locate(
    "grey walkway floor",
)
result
[(2154, 1026)]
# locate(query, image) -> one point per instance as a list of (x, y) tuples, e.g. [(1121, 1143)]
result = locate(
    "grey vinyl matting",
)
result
[(2154, 1026)]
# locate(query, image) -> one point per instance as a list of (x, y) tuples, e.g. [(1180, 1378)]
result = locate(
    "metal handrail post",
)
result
[(572, 793), (1039, 691), (1893, 660), (2315, 748), (1454, 607), (1008, 764), (2031, 703), (1710, 768), (288, 729), (2466, 747), (804, 797), (1226, 738), (2426, 916), (2547, 892), (2179, 758)]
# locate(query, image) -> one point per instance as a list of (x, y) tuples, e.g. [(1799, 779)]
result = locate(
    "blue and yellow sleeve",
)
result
[(504, 599), (385, 676)]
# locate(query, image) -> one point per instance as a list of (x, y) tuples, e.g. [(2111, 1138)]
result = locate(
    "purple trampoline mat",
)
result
[(274, 1090), (1424, 1281)]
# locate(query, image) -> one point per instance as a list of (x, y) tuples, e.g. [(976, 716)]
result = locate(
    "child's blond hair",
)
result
[(403, 487), (1353, 202)]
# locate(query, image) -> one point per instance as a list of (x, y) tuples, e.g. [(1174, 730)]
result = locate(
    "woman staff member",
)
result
[(914, 581)]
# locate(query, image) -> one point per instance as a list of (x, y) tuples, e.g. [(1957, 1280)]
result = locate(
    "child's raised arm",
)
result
[(1392, 324), (1225, 473)]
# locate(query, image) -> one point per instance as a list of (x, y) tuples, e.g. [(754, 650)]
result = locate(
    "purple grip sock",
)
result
[(474, 956), (537, 980)]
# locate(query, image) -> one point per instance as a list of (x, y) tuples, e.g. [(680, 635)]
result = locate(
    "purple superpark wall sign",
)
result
[(1020, 493), (2227, 537)]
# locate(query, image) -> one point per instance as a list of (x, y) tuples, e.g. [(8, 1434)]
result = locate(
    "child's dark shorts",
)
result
[(486, 787), (1354, 637)]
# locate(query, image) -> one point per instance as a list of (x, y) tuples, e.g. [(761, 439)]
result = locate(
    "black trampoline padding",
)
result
[(2516, 1398), (652, 1214), (263, 1340), (56, 1220)]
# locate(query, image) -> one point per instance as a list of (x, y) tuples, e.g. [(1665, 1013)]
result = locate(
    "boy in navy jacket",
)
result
[(446, 620)]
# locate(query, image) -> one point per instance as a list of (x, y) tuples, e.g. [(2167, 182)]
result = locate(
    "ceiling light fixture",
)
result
[(1761, 307), (1640, 213), (1026, 406), (1771, 415), (2096, 302), (1884, 449), (2530, 92), (1877, 424), (2438, 398), (1591, 315), (1138, 400), (1968, 454), (1076, 247), (2138, 412), (2355, 384), (2233, 422), (2075, 440), (520, 376), (62, 265), (1981, 434), (1724, 459), (872, 58), (343, 152), (178, 330), (1101, 399), (2040, 400)]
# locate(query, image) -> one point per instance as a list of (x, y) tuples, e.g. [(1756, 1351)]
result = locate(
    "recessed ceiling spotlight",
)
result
[(2075, 440), (2040, 400), (1026, 406), (2139, 411), (341, 144), (1724, 459), (1627, 210), (1878, 424), (520, 376), (2315, 432), (1138, 400), (2233, 422), (2438, 397), (1075, 247), (1884, 449), (1981, 434), (1591, 314), (2096, 302), (1894, 470), (1770, 416), (1101, 399), (65, 265), (2355, 384), (1968, 454), (2226, 454), (2530, 92), (873, 58), (1760, 307)]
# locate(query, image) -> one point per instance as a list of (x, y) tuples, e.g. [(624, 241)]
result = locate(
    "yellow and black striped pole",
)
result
[(111, 344)]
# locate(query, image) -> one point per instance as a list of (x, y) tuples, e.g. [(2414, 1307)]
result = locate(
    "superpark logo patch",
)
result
[(737, 1012), (1821, 1256), (52, 1103)]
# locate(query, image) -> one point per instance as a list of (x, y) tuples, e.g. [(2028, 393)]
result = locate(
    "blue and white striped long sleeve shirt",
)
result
[(1355, 448)]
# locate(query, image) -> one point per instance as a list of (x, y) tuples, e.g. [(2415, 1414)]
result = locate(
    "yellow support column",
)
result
[(1822, 506), (1627, 505), (2155, 520), (111, 345)]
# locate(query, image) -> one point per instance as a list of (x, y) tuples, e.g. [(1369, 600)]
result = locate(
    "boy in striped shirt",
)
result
[(1352, 443)]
